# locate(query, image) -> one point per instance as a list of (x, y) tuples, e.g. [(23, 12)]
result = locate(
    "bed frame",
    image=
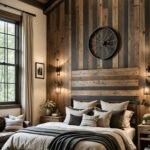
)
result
[(133, 103)]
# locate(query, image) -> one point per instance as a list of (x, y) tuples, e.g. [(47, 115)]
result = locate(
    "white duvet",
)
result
[(26, 141)]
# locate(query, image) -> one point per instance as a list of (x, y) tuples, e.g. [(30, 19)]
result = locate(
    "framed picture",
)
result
[(39, 70)]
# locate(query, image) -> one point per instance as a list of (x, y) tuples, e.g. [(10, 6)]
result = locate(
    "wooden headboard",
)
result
[(111, 85)]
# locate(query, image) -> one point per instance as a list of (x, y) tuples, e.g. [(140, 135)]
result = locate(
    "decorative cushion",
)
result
[(89, 120), (103, 119), (73, 112), (83, 105), (116, 120), (75, 120), (127, 118), (114, 106), (16, 117), (14, 123), (2, 123)]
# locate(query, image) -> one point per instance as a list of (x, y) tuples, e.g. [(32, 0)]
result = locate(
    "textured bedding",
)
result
[(27, 141)]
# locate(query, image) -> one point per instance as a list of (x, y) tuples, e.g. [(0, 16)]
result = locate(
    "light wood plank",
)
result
[(107, 72), (80, 42), (105, 83), (115, 26)]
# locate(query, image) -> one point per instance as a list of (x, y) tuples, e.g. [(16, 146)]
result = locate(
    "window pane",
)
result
[(11, 92), (1, 92), (2, 26), (11, 74), (5, 74), (11, 56), (11, 41), (1, 40), (5, 92), (1, 55), (2, 73), (11, 28)]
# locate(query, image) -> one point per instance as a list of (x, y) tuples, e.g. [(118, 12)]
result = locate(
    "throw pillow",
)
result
[(75, 120), (89, 120)]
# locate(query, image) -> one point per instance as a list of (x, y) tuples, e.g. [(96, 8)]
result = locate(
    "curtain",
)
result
[(27, 72)]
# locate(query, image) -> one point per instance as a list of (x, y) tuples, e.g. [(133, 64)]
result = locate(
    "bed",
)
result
[(35, 140)]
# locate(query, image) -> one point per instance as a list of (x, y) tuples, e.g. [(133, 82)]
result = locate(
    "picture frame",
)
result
[(39, 70)]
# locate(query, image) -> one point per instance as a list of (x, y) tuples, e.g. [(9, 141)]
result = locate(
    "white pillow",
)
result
[(13, 124), (114, 106), (18, 117), (73, 112), (127, 118), (89, 120), (83, 105), (103, 119)]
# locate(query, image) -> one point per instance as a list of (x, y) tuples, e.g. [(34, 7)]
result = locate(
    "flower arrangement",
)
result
[(146, 119), (49, 106)]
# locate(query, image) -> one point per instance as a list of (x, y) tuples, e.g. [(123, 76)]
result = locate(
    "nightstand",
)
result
[(44, 119), (143, 132)]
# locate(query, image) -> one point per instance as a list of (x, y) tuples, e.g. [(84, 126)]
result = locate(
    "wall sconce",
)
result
[(58, 87), (147, 81), (146, 89), (58, 68), (58, 81)]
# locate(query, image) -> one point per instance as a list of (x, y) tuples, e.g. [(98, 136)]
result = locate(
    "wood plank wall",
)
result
[(69, 26)]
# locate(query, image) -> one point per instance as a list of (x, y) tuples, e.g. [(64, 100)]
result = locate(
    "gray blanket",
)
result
[(67, 140)]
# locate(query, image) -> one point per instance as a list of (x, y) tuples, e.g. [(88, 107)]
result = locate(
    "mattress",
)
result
[(130, 132)]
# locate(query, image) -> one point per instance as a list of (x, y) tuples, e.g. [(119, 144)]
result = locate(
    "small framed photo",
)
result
[(39, 70)]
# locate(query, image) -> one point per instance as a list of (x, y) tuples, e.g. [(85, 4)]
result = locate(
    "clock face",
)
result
[(103, 43)]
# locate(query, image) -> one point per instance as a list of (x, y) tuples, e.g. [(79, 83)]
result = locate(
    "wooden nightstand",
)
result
[(44, 119), (143, 132)]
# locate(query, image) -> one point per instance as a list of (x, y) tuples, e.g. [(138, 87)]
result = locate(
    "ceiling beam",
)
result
[(35, 3), (50, 5)]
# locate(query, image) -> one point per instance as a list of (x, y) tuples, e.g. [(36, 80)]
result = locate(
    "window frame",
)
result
[(16, 19)]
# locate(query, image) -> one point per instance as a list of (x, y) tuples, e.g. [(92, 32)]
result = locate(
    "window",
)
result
[(9, 62)]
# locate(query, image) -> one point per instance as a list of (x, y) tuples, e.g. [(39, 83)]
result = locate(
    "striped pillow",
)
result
[(13, 124), (89, 120)]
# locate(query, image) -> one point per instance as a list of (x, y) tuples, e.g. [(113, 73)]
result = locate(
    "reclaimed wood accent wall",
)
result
[(105, 83), (69, 26)]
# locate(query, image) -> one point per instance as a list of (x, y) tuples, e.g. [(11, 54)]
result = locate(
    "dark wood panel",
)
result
[(105, 93)]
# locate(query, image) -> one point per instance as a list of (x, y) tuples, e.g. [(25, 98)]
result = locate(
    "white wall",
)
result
[(39, 52)]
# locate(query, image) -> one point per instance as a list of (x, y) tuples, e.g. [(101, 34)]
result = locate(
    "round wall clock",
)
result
[(103, 43)]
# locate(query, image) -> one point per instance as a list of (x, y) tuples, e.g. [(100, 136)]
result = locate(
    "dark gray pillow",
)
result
[(2, 123), (116, 120), (75, 120)]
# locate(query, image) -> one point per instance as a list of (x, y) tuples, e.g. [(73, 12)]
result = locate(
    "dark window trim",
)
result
[(9, 106), (13, 18)]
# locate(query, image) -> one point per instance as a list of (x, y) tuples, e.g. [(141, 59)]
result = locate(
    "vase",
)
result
[(48, 112)]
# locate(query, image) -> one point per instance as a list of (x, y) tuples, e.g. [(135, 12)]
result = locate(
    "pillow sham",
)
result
[(114, 106), (116, 120), (127, 118), (16, 117), (74, 112), (13, 124), (75, 120), (2, 123), (103, 119), (89, 120), (83, 105)]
